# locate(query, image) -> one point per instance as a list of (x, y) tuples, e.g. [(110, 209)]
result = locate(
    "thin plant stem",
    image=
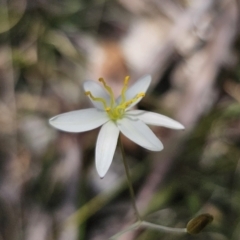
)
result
[(130, 228), (145, 224), (163, 228), (129, 180), (140, 222)]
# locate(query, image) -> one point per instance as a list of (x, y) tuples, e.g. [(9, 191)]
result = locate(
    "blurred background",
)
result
[(49, 188)]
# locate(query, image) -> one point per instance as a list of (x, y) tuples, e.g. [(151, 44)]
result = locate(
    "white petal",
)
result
[(105, 148), (140, 86), (140, 133), (79, 121), (97, 91), (154, 119)]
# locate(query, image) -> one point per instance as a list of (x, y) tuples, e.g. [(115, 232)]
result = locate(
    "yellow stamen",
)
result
[(126, 80), (139, 95), (109, 90), (88, 93), (115, 111)]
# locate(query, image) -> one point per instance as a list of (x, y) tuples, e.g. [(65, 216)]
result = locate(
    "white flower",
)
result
[(115, 116)]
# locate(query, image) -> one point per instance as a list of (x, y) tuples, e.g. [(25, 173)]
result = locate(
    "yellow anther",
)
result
[(107, 109), (101, 80), (87, 93)]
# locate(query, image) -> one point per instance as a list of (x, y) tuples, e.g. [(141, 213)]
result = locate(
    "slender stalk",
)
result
[(149, 225), (163, 228), (131, 227), (129, 180), (140, 222)]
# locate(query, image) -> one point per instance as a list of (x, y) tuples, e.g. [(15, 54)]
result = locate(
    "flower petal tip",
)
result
[(177, 126), (181, 127), (160, 148), (101, 174), (51, 121)]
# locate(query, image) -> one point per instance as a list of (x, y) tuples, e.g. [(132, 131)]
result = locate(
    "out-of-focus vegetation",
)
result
[(49, 188)]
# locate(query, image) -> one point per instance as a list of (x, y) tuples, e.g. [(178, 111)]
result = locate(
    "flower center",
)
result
[(115, 110)]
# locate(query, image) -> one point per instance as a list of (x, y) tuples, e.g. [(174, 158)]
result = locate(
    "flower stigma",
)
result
[(116, 110)]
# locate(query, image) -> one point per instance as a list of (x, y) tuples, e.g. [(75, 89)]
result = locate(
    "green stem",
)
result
[(129, 180), (140, 222), (163, 228), (130, 228), (149, 225)]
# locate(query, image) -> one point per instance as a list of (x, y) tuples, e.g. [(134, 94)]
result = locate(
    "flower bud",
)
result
[(197, 224)]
